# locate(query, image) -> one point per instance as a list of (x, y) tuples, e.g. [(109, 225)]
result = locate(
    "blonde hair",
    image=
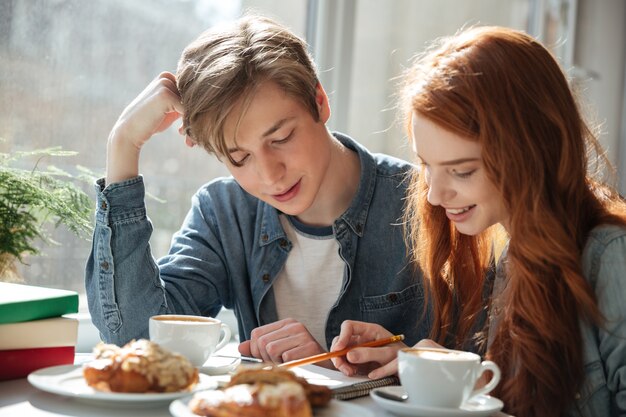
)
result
[(227, 63)]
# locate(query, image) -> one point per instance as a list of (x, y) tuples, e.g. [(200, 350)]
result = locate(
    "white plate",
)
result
[(336, 408), (67, 380), (479, 406)]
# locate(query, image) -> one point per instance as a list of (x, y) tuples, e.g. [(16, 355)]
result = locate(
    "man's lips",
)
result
[(289, 194)]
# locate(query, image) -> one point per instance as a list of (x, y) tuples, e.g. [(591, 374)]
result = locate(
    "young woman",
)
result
[(501, 141)]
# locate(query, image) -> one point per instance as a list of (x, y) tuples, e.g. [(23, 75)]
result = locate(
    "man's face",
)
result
[(283, 152), (456, 178)]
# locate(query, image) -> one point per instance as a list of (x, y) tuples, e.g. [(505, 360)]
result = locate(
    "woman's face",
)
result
[(456, 177)]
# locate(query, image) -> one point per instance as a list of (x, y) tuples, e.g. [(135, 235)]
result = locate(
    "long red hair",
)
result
[(503, 89)]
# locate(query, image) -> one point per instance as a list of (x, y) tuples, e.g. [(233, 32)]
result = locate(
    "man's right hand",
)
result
[(152, 111), (281, 341)]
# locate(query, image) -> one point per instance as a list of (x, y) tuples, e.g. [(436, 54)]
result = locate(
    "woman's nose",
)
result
[(438, 190)]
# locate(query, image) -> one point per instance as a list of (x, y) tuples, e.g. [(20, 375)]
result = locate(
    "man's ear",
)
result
[(323, 106)]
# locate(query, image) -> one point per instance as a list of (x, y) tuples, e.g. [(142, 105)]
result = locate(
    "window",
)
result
[(375, 41), (69, 67)]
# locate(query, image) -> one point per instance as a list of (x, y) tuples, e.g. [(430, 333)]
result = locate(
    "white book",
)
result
[(57, 331)]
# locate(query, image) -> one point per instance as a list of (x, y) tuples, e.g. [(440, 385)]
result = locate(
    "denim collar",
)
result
[(354, 216)]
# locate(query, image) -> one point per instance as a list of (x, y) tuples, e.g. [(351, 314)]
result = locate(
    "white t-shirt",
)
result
[(309, 284)]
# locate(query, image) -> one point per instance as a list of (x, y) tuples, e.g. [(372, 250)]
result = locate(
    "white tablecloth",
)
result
[(18, 398)]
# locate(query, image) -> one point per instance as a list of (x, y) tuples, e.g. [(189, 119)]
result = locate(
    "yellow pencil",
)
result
[(342, 352)]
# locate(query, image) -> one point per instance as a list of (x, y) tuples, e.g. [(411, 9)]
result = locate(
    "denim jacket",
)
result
[(231, 247), (603, 391)]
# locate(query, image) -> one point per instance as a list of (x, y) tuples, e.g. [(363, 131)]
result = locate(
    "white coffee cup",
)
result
[(195, 337), (443, 378)]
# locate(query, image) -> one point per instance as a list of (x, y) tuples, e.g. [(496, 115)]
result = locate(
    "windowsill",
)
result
[(89, 336)]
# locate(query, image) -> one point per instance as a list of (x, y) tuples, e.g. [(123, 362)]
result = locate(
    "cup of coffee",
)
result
[(443, 378), (195, 337)]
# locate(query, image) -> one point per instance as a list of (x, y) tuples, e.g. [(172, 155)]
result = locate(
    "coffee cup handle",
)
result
[(495, 378), (227, 333)]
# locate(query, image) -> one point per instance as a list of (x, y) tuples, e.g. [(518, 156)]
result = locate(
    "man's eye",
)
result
[(286, 139), (239, 161)]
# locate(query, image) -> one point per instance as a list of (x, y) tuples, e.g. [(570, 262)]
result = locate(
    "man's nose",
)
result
[(270, 169)]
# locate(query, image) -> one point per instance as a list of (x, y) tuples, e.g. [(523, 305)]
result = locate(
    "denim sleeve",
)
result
[(196, 271), (123, 282), (610, 289)]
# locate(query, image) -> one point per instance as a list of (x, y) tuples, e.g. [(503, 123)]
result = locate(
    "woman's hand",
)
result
[(377, 362), (152, 111)]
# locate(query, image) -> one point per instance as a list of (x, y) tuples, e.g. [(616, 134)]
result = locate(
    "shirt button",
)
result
[(103, 205), (264, 238), (359, 228), (105, 265), (283, 243), (392, 297), (266, 278), (577, 396)]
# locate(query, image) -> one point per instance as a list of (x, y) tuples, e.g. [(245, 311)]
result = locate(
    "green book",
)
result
[(20, 302)]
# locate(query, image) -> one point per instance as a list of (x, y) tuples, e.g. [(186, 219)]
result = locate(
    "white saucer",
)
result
[(220, 365), (479, 406)]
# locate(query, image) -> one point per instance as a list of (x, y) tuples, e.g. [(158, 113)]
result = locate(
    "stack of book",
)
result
[(34, 333)]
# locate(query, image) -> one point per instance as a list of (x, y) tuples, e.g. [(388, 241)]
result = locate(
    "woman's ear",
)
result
[(323, 106)]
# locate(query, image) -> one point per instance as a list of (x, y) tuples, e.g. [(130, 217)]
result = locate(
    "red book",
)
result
[(18, 363)]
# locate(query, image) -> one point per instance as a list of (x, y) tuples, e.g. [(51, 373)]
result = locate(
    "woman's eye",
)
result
[(463, 174)]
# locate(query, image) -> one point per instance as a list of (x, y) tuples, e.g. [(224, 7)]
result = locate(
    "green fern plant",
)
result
[(31, 199)]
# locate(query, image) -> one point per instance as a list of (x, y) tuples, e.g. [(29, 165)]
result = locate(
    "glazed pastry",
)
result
[(137, 367), (284, 399), (318, 395)]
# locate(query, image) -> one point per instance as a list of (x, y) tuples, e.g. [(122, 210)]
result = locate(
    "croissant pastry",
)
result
[(139, 366)]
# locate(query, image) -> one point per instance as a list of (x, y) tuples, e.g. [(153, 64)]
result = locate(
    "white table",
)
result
[(18, 398)]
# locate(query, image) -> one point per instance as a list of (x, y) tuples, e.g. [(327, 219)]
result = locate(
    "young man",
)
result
[(304, 235)]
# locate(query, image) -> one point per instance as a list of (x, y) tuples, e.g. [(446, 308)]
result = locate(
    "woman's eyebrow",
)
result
[(459, 161), (452, 161)]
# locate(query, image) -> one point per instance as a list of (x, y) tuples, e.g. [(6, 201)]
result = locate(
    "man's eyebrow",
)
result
[(268, 132), (276, 126)]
